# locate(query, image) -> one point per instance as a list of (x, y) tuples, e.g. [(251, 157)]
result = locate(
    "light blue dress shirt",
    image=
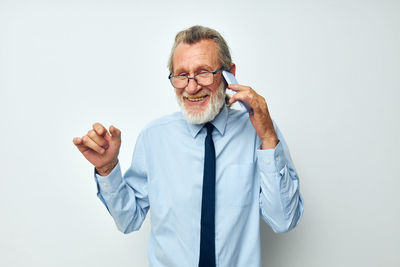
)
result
[(166, 174)]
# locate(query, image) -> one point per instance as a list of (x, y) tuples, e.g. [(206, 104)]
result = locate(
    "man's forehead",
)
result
[(202, 53)]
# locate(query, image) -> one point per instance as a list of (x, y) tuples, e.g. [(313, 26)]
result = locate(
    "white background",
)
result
[(330, 71)]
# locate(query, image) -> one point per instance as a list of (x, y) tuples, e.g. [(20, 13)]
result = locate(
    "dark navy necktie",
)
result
[(207, 233)]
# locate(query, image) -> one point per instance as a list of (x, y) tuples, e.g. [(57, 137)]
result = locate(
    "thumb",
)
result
[(115, 133)]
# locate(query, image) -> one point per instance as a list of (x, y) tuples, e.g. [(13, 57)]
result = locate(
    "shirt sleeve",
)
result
[(281, 204), (126, 197)]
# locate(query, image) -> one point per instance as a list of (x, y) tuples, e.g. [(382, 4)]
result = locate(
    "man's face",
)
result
[(199, 104)]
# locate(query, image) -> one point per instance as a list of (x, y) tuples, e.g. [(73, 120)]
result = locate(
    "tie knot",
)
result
[(209, 127)]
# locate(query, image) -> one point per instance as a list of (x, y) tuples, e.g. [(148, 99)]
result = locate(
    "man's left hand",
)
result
[(260, 119)]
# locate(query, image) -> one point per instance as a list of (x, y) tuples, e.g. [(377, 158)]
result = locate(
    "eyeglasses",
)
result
[(203, 79)]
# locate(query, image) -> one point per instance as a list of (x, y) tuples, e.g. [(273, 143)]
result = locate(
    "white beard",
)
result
[(217, 101)]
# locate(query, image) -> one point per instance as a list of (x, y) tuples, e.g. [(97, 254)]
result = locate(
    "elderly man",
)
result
[(206, 173)]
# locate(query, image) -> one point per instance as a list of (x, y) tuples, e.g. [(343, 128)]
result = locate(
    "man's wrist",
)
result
[(107, 169), (269, 143)]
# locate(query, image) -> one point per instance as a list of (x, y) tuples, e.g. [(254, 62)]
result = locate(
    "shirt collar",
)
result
[(219, 123)]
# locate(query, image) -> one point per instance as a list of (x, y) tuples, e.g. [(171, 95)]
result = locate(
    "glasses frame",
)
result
[(170, 76)]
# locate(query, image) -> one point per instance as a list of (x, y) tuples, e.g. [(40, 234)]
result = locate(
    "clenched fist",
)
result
[(100, 147)]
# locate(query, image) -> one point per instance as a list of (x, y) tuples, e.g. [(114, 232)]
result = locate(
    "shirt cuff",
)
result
[(111, 182), (271, 160)]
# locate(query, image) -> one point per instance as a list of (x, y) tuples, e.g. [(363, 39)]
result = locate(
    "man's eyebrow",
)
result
[(204, 66), (177, 71)]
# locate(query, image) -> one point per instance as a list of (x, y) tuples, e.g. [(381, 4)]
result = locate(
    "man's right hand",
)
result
[(100, 147)]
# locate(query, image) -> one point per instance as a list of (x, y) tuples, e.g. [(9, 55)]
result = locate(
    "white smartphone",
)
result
[(230, 79)]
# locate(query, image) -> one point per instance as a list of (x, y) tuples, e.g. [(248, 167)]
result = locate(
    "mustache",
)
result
[(202, 93)]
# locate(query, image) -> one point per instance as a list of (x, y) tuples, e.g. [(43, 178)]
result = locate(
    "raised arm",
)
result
[(281, 204), (126, 198)]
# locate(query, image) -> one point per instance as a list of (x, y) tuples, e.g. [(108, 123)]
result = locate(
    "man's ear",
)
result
[(233, 68)]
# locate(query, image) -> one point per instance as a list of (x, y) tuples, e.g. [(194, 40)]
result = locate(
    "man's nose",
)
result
[(192, 86)]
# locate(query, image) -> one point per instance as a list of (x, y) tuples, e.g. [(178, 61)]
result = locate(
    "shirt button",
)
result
[(277, 158), (283, 191)]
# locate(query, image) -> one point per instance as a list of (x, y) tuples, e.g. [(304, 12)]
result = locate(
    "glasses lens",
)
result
[(179, 81), (205, 78)]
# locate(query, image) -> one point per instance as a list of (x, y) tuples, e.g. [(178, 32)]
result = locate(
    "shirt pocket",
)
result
[(237, 185)]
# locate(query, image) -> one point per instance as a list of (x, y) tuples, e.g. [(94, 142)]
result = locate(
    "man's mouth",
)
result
[(195, 98)]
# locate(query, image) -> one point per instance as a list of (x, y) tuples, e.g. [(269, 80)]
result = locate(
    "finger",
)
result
[(92, 145), (243, 96), (98, 139), (238, 87), (78, 142), (99, 128)]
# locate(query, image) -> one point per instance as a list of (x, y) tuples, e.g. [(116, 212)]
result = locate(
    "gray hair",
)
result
[(198, 33)]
